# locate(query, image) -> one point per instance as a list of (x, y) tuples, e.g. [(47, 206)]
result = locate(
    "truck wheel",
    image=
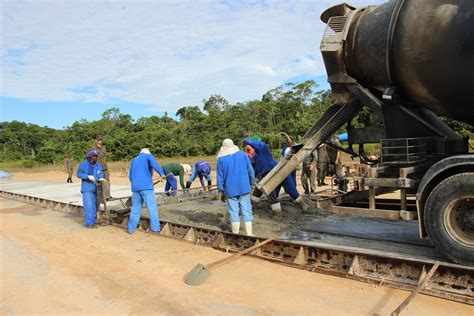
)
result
[(449, 217)]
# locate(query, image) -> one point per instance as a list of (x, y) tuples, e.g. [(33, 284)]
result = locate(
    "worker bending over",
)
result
[(263, 163), (171, 170), (202, 170)]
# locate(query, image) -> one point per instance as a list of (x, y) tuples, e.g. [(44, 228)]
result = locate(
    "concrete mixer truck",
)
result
[(409, 62)]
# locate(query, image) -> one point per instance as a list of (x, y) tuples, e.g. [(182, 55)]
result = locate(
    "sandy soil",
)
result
[(51, 264)]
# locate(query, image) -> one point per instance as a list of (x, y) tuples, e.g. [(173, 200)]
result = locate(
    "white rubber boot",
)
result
[(248, 228), (276, 208), (302, 203), (235, 227)]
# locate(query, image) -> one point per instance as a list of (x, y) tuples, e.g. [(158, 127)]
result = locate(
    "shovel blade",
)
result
[(198, 275)]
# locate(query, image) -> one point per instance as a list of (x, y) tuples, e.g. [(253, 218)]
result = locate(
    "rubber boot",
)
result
[(248, 228), (235, 227), (302, 203), (276, 208), (209, 183)]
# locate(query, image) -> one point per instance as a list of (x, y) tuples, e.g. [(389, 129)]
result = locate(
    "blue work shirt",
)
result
[(235, 174), (201, 169), (85, 169), (141, 172), (263, 160)]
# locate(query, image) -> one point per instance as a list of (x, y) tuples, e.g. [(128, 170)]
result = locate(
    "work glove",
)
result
[(222, 197), (91, 178)]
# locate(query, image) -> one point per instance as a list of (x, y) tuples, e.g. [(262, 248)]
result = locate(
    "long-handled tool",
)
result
[(201, 273)]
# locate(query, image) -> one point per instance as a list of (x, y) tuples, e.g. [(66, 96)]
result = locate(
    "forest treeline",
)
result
[(291, 108)]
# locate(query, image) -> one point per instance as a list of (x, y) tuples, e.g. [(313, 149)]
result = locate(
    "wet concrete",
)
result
[(369, 228)]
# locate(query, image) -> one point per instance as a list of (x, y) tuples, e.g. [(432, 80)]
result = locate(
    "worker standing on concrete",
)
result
[(90, 171), (201, 169), (323, 163), (263, 163), (100, 148), (178, 170), (69, 167), (309, 172), (143, 191), (235, 176)]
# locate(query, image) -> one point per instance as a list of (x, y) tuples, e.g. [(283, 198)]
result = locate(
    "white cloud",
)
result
[(169, 53)]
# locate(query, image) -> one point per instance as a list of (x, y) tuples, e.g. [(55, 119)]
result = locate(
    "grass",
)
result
[(114, 166)]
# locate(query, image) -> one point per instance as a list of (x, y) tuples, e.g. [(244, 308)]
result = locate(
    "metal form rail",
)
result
[(450, 281)]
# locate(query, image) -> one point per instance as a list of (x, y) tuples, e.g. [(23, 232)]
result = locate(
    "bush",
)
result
[(28, 163), (46, 155)]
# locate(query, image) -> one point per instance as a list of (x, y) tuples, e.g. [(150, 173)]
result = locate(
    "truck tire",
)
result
[(449, 217)]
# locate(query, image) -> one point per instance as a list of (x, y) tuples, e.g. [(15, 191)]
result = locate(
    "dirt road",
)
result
[(51, 264)]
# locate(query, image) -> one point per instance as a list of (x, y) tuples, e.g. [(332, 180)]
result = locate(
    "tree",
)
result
[(215, 103)]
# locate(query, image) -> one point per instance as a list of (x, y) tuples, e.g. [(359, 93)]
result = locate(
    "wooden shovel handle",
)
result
[(239, 254)]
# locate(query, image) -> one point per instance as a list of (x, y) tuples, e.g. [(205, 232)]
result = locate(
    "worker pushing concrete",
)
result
[(178, 170), (143, 191), (90, 171), (263, 164), (201, 169), (171, 185), (235, 176)]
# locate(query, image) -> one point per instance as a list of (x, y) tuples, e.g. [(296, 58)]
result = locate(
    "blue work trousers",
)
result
[(289, 185), (171, 184), (138, 198), (89, 201), (239, 203)]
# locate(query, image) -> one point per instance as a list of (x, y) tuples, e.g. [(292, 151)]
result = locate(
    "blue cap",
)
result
[(92, 153)]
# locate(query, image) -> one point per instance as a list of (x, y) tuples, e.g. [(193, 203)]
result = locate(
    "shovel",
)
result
[(201, 273)]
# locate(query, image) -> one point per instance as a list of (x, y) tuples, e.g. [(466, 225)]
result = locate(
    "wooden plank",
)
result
[(407, 301), (371, 197), (403, 199), (390, 182), (365, 212), (382, 182)]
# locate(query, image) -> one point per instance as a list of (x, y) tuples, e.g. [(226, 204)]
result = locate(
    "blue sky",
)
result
[(66, 60)]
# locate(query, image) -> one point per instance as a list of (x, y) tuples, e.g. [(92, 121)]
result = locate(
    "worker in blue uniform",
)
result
[(90, 171), (235, 176), (263, 164), (201, 169), (143, 191)]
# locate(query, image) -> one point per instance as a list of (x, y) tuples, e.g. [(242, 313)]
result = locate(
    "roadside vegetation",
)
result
[(192, 134)]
